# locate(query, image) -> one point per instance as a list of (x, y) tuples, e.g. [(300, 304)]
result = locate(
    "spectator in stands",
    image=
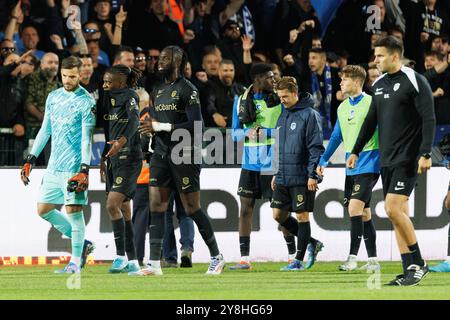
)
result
[(324, 87), (276, 71), (201, 24), (13, 27), (222, 91), (6, 48), (140, 62), (440, 44), (372, 74), (159, 30), (87, 81), (40, 84), (152, 76), (124, 55), (30, 39), (438, 75), (13, 92), (93, 36), (232, 49)]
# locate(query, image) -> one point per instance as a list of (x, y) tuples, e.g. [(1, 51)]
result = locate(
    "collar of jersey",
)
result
[(354, 101)]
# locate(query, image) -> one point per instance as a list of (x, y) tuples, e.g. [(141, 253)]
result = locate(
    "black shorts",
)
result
[(122, 176), (293, 199), (253, 184), (185, 178), (360, 187), (399, 180)]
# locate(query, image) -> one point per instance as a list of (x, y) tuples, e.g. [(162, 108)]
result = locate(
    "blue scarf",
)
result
[(323, 104)]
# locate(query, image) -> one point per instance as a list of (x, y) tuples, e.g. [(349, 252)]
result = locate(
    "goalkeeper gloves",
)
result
[(79, 182), (28, 163)]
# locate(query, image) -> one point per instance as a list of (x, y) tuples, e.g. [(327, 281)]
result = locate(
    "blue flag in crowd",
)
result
[(325, 12)]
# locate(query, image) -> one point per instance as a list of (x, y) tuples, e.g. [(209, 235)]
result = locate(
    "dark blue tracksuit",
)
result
[(300, 144)]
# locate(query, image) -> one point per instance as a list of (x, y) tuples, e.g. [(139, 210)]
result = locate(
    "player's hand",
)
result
[(273, 184), (320, 170), (351, 161), (103, 169), (424, 165), (220, 120), (81, 181), (247, 42), (146, 126), (116, 145), (121, 16), (26, 169), (312, 184)]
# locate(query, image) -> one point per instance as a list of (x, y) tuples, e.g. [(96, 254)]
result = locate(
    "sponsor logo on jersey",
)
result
[(166, 107)]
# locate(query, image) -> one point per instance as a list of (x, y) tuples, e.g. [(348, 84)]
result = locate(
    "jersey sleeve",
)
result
[(87, 130), (424, 104), (335, 141), (44, 132)]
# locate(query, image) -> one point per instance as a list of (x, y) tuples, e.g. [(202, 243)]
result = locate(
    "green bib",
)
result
[(351, 119), (266, 118)]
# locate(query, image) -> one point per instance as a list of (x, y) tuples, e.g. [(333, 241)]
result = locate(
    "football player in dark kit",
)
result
[(176, 105), (403, 109), (125, 160)]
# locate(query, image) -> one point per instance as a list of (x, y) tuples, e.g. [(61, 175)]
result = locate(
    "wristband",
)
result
[(158, 126), (30, 159)]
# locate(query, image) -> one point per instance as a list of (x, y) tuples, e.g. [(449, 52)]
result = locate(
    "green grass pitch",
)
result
[(323, 281)]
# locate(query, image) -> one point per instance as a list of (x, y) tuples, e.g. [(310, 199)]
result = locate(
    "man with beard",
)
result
[(70, 120), (40, 84), (176, 105), (222, 92)]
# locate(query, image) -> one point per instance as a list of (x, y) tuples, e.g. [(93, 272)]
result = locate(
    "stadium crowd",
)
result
[(222, 38)]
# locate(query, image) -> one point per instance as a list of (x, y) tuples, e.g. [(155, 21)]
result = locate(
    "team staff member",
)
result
[(403, 109), (125, 160), (300, 147), (176, 105), (359, 181)]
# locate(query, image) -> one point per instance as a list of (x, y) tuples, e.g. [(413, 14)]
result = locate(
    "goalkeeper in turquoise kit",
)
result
[(69, 120)]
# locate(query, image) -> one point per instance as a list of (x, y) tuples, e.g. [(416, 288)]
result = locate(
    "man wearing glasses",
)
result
[(6, 48)]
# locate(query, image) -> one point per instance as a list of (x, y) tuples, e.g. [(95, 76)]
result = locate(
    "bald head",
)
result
[(50, 64)]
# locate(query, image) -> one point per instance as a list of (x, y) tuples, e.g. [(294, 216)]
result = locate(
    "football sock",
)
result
[(157, 227), (119, 236), (356, 232), (415, 253), (370, 239), (206, 231), (78, 230), (129, 241), (244, 245), (290, 242), (406, 261), (59, 221), (291, 225), (304, 233)]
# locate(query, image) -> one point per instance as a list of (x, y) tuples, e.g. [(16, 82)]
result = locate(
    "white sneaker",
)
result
[(216, 265), (372, 265), (148, 271), (349, 265)]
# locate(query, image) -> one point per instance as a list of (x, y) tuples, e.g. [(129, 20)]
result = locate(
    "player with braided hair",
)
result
[(124, 154)]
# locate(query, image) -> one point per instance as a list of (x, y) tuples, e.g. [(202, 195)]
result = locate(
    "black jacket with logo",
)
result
[(403, 109)]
